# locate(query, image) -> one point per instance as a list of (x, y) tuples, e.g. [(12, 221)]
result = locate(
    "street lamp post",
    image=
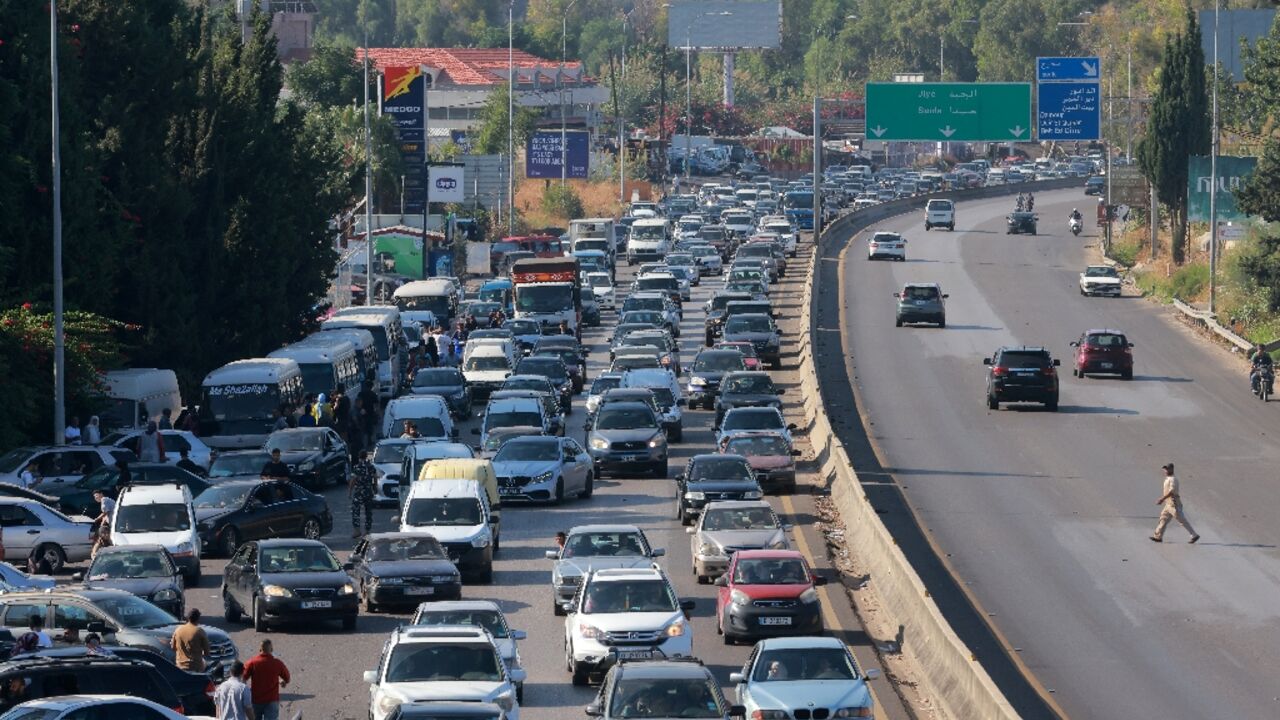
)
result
[(59, 337), (622, 122), (1213, 173), (564, 53), (511, 118)]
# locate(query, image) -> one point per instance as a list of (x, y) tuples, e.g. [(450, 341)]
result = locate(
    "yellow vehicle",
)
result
[(464, 469)]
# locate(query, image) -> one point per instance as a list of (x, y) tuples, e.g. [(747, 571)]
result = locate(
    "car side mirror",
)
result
[(370, 676), (475, 431), (871, 674), (792, 426), (552, 554), (594, 709), (77, 577), (518, 675), (796, 453), (1131, 345), (945, 296), (1073, 343), (519, 635), (1057, 362), (722, 581), (986, 361), (348, 565), (897, 295), (737, 678), (688, 605), (567, 607)]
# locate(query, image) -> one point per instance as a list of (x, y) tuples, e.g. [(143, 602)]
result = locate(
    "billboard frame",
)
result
[(763, 17)]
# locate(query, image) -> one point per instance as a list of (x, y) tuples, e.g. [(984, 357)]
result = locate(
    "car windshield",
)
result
[(1096, 271), (719, 469), (568, 356), (648, 303), (488, 362), (920, 293), (430, 426), (641, 317), (1109, 341), (224, 496), (437, 377), (443, 511), (752, 518), (512, 419), (648, 232), (703, 251), (130, 564), (133, 612), (604, 544), (662, 698), (548, 367), (605, 383), (529, 451), (296, 442), (803, 664), (490, 620), (522, 327), (739, 420), (444, 662), (748, 324), (537, 384), (757, 445), (634, 362), (306, 558), (544, 298), (389, 453), (599, 280), (764, 571), (415, 548), (635, 340), (1038, 360), (753, 385), (151, 517), (613, 418), (236, 464), (628, 596)]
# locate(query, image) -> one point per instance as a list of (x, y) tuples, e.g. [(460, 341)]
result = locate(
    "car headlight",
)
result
[(307, 466), (698, 381), (809, 596), (184, 548), (771, 715), (852, 712), (708, 549), (752, 495), (387, 704), (544, 477), (590, 632), (676, 629), (695, 495), (347, 589), (277, 591), (658, 441), (480, 541), (737, 597), (389, 581), (599, 444), (165, 596)]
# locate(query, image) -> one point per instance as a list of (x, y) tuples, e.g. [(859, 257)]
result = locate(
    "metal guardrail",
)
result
[(1210, 322)]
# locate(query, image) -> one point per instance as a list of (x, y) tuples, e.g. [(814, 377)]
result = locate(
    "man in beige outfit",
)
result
[(1171, 501)]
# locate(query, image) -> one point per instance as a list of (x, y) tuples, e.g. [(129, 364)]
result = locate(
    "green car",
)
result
[(922, 303)]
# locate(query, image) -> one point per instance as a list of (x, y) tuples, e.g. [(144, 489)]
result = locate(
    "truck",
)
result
[(546, 291), (593, 234)]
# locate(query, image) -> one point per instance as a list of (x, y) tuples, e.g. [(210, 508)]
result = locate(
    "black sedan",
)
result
[(713, 477), (316, 457), (238, 510), (276, 581), (402, 569), (553, 369), (143, 570), (1021, 222), (449, 384)]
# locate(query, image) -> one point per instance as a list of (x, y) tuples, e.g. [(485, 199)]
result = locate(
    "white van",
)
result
[(139, 396), (324, 363), (388, 340), (238, 398), (427, 302), (457, 513), (430, 413), (650, 239), (486, 368), (159, 515), (417, 454)]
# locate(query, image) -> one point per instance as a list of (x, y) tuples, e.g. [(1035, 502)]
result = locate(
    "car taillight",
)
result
[(179, 709), (999, 371), (1050, 371)]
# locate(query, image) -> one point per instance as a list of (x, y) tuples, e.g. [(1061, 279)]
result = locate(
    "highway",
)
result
[(1045, 516)]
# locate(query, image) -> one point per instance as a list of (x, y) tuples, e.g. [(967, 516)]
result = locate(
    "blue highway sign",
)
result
[(1053, 69), (1068, 111)]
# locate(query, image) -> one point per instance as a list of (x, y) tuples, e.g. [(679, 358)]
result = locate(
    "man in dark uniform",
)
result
[(360, 491)]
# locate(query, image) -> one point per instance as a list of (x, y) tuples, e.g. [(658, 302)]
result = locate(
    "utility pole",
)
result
[(564, 58), (368, 175), (511, 117), (426, 170), (1213, 174), (817, 168), (59, 334), (622, 122)]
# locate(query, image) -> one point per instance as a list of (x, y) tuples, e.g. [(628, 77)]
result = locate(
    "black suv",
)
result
[(673, 688), (46, 677), (713, 477), (715, 310), (1022, 374)]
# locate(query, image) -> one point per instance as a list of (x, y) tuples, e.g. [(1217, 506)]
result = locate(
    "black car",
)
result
[(629, 686), (402, 569), (1096, 185), (759, 330), (316, 456), (709, 369), (44, 677), (107, 479), (746, 389), (143, 570), (285, 580), (1022, 374), (238, 464), (1021, 222), (194, 690), (232, 512), (713, 477), (568, 350), (449, 383), (553, 369), (590, 307)]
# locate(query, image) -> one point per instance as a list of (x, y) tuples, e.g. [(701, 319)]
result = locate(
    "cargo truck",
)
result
[(546, 291)]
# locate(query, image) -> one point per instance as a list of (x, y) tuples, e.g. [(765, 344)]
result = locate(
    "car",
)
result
[(163, 515), (750, 358), (449, 383), (771, 456), (1096, 185), (14, 580), (458, 514), (602, 384), (46, 533), (568, 349), (1020, 222), (1022, 374), (676, 688), (624, 614), (174, 442), (274, 581), (553, 368), (940, 212), (235, 511), (477, 613), (58, 467), (1101, 280), (657, 301), (105, 704), (485, 369), (759, 330), (511, 412), (786, 676), (144, 570), (744, 389), (729, 526), (79, 499), (17, 491), (400, 569), (767, 593), (601, 284), (595, 547), (317, 457), (193, 689), (740, 420), (1103, 352), (446, 662), (688, 277), (667, 349), (120, 617), (589, 307), (628, 436), (543, 469), (237, 464), (708, 259), (888, 245), (550, 402), (712, 477), (709, 368), (921, 303), (666, 393)]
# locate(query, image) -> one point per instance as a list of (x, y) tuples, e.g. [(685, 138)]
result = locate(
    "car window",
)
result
[(763, 571), (757, 445), (605, 544), (17, 516), (749, 385), (1024, 359), (627, 418), (305, 558), (67, 615), (920, 293), (719, 469), (443, 511), (18, 615), (152, 517), (803, 664), (1106, 340), (664, 698), (627, 596), (752, 518), (448, 662), (490, 620)]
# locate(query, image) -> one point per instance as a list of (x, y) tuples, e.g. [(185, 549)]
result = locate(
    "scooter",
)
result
[(1264, 380), (1076, 225)]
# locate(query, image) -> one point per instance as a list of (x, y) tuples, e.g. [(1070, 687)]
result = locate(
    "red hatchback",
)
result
[(766, 593), (749, 356), (1106, 352)]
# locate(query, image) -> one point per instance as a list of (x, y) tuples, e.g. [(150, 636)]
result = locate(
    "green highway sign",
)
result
[(980, 112)]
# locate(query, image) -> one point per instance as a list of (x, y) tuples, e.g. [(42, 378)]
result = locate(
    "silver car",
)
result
[(596, 547), (477, 613), (726, 527), (543, 469), (57, 538)]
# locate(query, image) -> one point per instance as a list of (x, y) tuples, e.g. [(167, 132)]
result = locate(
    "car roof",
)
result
[(708, 457), (769, 554), (737, 504), (1103, 331), (441, 634), (801, 643), (604, 528), (294, 542), (398, 536), (110, 549), (153, 493), (445, 488), (627, 405), (1023, 348), (460, 605), (512, 403)]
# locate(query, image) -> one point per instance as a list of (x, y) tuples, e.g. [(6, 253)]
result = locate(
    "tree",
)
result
[(491, 139), (1013, 33), (1178, 127), (1261, 194), (333, 76)]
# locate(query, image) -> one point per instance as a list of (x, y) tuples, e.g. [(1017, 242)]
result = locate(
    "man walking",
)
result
[(233, 700), (266, 675), (1171, 501), (190, 645), (360, 491)]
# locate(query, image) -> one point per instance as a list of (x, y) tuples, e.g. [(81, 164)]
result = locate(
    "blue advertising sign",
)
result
[(542, 154), (1069, 111), (1053, 69), (403, 90)]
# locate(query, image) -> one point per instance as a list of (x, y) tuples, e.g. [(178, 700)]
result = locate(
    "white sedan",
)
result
[(174, 442)]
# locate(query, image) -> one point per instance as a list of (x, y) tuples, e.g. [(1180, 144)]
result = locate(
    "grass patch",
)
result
[(1186, 283), (1125, 251)]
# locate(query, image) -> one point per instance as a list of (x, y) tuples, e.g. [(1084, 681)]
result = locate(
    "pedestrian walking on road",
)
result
[(151, 445), (190, 645), (1171, 501), (266, 675), (233, 700), (360, 491), (92, 431), (102, 524)]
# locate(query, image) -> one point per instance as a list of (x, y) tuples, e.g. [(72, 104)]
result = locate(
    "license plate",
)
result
[(316, 604), (632, 457), (634, 654), (775, 621), (1105, 366), (419, 591), (508, 491)]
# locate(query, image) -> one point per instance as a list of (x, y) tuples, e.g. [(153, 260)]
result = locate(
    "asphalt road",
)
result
[(326, 662), (1045, 516)]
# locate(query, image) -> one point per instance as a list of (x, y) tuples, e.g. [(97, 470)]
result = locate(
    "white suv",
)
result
[(159, 515), (940, 213), (442, 662), (458, 514), (624, 614)]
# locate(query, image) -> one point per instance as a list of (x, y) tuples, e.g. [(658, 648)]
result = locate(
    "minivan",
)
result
[(159, 515)]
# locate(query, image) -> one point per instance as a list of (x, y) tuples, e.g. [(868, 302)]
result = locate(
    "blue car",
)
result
[(814, 674)]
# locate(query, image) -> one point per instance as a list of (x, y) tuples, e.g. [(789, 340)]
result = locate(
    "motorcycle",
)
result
[(1076, 225), (1264, 379)]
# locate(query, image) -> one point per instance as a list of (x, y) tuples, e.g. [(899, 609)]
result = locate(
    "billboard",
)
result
[(1233, 26), (1233, 172), (447, 184), (542, 154), (725, 24), (402, 96)]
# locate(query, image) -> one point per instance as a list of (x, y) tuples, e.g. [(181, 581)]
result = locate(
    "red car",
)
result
[(749, 356), (771, 456), (1106, 352), (766, 593)]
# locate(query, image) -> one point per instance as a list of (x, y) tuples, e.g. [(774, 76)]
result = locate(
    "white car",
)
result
[(458, 514), (61, 539), (624, 614), (477, 613), (940, 213), (602, 287), (708, 259), (159, 515), (888, 245), (650, 238), (729, 525), (446, 662), (810, 674), (784, 230), (174, 442), (1100, 280)]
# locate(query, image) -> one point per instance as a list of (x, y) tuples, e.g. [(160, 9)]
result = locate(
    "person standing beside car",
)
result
[(233, 700), (151, 444), (267, 674), (102, 523), (360, 491), (190, 644)]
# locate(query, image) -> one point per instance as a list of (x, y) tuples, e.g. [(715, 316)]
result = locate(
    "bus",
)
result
[(326, 363), (238, 401), (383, 321)]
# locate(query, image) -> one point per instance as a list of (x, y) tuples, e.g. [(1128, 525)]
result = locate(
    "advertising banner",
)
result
[(542, 154), (447, 184), (1233, 172), (403, 93)]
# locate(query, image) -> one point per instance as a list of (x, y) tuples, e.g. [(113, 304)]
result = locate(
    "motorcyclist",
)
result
[(1022, 200), (1075, 215), (1031, 201), (1260, 362)]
